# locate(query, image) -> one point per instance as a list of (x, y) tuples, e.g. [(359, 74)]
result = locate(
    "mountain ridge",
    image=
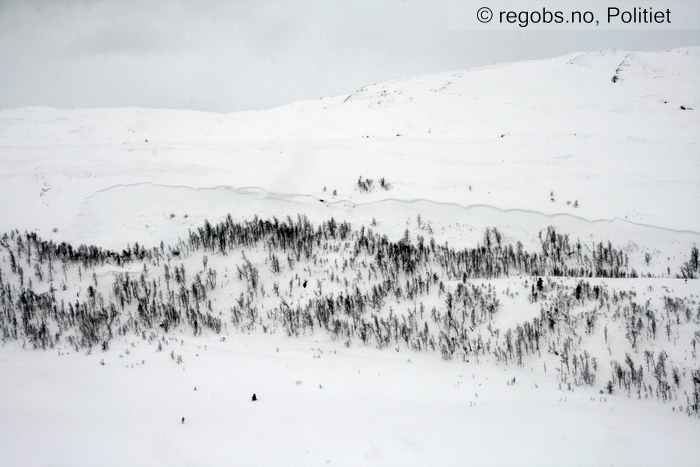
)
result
[(506, 135), (512, 84)]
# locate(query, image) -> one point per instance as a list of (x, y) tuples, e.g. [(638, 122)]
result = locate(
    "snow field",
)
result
[(375, 408), (519, 147)]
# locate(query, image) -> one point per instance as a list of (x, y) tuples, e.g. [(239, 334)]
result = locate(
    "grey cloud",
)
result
[(238, 55), (124, 39)]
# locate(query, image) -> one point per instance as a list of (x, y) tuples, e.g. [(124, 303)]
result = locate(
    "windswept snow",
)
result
[(601, 147), (319, 404), (513, 132)]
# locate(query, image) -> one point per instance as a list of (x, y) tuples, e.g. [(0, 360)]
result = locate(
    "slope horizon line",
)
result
[(250, 190)]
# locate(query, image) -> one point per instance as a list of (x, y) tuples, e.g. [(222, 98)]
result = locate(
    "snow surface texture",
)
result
[(522, 147), (513, 132)]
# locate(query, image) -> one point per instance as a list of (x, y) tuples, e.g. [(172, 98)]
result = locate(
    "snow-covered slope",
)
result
[(646, 93), (584, 168), (512, 133)]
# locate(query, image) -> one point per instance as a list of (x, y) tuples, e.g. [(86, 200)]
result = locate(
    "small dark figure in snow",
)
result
[(305, 282), (255, 398), (183, 420)]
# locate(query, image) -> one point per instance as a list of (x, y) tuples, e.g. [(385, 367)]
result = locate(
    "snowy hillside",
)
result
[(513, 133), (413, 274)]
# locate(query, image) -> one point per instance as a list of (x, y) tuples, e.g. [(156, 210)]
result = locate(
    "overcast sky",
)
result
[(225, 56)]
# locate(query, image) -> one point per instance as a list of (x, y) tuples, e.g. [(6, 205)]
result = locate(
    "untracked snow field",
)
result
[(318, 403), (495, 266)]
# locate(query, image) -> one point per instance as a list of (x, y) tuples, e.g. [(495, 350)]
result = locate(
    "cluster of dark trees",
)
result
[(367, 185), (494, 258), (691, 268), (363, 288), (631, 378)]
